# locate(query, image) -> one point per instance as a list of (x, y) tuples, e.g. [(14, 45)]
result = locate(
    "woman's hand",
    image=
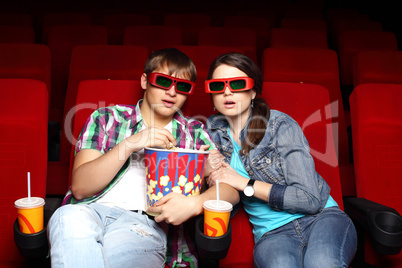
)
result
[(226, 174), (214, 162)]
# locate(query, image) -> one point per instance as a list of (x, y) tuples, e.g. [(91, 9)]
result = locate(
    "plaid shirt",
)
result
[(108, 126)]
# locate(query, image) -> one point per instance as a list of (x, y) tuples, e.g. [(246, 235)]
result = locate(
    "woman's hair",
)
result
[(176, 61), (260, 111)]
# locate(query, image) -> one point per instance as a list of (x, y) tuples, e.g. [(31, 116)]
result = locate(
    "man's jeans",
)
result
[(94, 235), (327, 239)]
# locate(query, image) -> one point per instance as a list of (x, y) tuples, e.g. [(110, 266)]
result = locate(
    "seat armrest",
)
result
[(382, 223)]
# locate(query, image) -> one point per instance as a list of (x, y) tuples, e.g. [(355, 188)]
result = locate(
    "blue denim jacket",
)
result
[(282, 158)]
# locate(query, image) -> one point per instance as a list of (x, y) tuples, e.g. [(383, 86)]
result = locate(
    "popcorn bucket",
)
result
[(180, 171)]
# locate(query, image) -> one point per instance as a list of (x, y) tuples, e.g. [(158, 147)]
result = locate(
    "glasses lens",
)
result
[(216, 86), (238, 84), (163, 81), (183, 87)]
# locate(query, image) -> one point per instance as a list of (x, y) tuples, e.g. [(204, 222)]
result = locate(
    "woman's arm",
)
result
[(300, 192)]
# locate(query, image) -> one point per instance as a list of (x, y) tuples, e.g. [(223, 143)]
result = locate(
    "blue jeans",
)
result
[(327, 239), (94, 235)]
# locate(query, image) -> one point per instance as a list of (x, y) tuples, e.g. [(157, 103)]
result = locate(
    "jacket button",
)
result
[(268, 161), (251, 173)]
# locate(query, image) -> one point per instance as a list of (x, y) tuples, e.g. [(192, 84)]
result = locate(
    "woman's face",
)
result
[(232, 104)]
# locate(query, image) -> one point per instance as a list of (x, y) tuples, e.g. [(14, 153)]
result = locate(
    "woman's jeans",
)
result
[(94, 235), (327, 239)]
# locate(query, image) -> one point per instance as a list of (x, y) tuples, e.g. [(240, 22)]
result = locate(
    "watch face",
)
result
[(248, 191)]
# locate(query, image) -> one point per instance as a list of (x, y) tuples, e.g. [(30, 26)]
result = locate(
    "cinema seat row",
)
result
[(338, 74)]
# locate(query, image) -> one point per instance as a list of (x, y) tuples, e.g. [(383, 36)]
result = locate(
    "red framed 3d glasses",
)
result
[(235, 84), (165, 81)]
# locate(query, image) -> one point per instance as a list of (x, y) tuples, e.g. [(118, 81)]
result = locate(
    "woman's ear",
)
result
[(253, 94), (144, 81)]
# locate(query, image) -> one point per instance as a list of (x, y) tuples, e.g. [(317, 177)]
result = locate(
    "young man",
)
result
[(102, 222)]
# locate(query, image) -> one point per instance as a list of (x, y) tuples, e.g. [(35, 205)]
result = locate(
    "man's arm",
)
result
[(93, 171)]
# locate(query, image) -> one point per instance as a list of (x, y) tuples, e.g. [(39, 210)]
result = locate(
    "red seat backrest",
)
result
[(94, 94), (190, 23), (23, 143), (26, 61), (116, 23), (51, 19), (17, 34), (377, 144), (351, 42), (308, 65), (61, 41), (298, 38), (153, 37), (378, 67), (229, 37)]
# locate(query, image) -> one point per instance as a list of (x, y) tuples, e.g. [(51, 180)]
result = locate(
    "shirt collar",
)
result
[(136, 117)]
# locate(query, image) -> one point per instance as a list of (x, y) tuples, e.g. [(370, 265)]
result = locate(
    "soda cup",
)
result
[(216, 217), (30, 214)]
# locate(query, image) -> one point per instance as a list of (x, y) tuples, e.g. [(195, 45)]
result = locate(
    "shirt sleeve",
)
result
[(301, 191), (93, 134), (201, 137)]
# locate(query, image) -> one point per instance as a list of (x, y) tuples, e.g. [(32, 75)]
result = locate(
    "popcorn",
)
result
[(182, 181), (163, 180), (188, 187)]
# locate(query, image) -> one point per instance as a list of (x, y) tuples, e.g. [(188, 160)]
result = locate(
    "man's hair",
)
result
[(176, 62)]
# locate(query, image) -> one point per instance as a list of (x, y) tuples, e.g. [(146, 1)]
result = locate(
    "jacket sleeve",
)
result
[(301, 191)]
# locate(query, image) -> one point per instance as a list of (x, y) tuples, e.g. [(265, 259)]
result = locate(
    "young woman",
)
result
[(296, 222)]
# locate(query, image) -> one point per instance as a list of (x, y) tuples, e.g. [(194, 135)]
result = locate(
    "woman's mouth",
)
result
[(229, 104)]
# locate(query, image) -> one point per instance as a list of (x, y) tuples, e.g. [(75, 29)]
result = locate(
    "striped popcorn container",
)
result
[(180, 171)]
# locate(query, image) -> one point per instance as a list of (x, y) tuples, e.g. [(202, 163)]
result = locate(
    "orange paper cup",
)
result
[(30, 214), (216, 217)]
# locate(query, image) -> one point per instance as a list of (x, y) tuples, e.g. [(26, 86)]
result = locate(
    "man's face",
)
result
[(163, 102)]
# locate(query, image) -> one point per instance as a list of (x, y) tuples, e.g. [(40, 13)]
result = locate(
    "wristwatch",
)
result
[(249, 189)]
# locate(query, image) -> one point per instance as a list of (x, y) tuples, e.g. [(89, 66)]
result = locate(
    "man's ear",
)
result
[(144, 81)]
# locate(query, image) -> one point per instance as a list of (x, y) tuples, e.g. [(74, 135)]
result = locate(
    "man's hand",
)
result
[(175, 208)]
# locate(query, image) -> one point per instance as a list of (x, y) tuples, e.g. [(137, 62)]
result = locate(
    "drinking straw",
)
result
[(29, 186), (217, 191)]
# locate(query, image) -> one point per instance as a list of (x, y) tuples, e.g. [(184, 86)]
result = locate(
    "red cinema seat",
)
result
[(308, 24), (91, 62), (94, 94), (306, 12), (229, 37), (30, 61), (23, 143), (16, 19), (61, 41), (261, 24), (298, 38), (377, 67), (318, 66), (377, 155), (190, 23), (309, 105), (351, 42), (51, 19), (153, 37), (17, 34), (199, 104), (116, 24)]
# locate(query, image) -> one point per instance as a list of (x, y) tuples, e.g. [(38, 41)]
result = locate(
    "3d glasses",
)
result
[(235, 84), (164, 81)]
